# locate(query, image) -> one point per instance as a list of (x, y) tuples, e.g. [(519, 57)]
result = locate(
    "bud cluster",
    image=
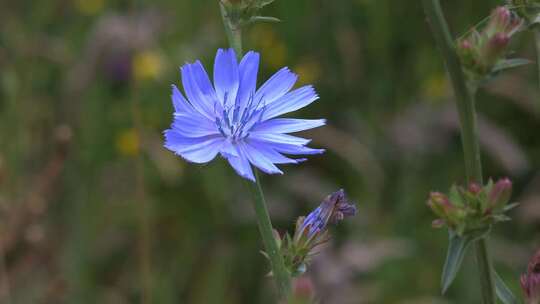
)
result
[(312, 231), (530, 281), (242, 12), (472, 208), (480, 51)]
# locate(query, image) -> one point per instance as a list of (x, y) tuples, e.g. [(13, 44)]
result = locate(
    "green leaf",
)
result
[(510, 63), (503, 292), (510, 207), (263, 19), (457, 247)]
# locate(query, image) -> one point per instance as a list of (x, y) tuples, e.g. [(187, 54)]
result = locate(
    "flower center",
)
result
[(235, 120)]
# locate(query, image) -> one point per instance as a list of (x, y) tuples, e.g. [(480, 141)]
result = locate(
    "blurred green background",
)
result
[(94, 210)]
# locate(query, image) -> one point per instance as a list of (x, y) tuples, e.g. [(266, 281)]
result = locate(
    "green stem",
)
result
[(537, 40), (469, 137), (232, 30), (279, 271)]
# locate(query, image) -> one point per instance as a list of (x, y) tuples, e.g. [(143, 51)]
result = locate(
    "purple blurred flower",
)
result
[(235, 119)]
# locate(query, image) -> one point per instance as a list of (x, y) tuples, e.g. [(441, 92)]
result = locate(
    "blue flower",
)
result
[(234, 119)]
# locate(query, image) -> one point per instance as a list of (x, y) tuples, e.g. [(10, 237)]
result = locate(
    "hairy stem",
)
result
[(279, 271), (469, 136), (233, 32)]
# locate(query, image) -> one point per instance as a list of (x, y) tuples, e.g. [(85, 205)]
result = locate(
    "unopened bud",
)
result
[(500, 19), (530, 281), (333, 209), (474, 188), (495, 48), (499, 195), (303, 289), (440, 204)]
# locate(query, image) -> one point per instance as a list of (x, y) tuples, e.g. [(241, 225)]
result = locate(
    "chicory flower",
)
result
[(233, 118)]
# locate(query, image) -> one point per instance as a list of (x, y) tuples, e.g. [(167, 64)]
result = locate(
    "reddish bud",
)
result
[(440, 204), (474, 188), (303, 288), (499, 195)]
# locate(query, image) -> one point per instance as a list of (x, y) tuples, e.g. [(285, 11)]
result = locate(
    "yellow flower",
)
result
[(89, 7), (272, 48), (435, 87), (147, 65), (308, 71), (128, 143)]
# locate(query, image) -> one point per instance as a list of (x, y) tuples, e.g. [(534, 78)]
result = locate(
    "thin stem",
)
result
[(537, 40), (279, 271), (232, 30), (469, 136)]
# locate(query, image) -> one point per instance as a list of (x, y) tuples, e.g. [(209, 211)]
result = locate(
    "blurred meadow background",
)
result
[(93, 209)]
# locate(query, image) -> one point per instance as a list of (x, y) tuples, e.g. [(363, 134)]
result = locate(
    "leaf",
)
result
[(510, 63), (510, 207), (503, 292), (457, 247), (263, 19)]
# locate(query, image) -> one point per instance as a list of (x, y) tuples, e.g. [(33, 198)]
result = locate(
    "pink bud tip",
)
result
[(474, 188), (500, 40), (303, 288)]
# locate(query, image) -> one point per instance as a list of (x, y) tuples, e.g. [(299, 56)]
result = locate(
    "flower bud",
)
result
[(474, 188), (303, 290), (480, 51), (333, 209), (499, 195), (530, 281), (499, 19), (440, 204)]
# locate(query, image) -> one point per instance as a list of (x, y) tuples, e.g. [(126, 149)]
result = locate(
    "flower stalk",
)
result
[(281, 275), (233, 31), (467, 115), (537, 43), (279, 271)]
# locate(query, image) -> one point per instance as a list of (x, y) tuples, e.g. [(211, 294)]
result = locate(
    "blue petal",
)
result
[(292, 101), (199, 101), (287, 125), (229, 150), (193, 126), (181, 105), (259, 160), (201, 79), (241, 165), (288, 148), (279, 138), (248, 69), (226, 75), (272, 155), (278, 85), (197, 150)]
